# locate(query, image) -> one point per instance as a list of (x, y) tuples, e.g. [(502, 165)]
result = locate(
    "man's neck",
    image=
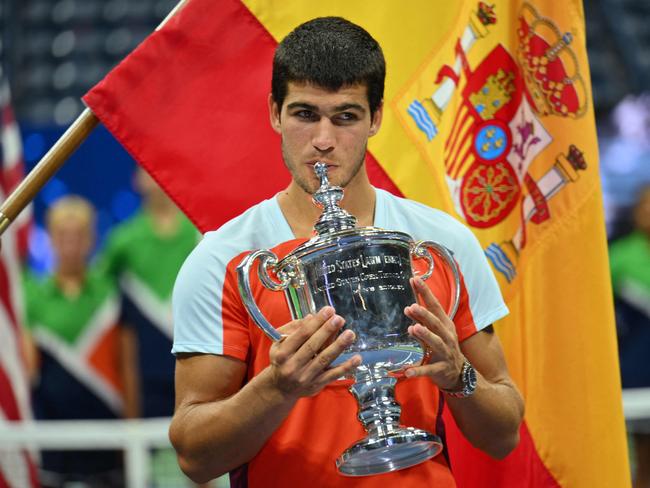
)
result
[(301, 213), (70, 280)]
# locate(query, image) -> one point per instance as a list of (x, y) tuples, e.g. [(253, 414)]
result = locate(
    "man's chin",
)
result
[(311, 183), (308, 187)]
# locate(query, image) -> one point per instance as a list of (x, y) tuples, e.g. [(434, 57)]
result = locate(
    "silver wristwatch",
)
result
[(468, 377)]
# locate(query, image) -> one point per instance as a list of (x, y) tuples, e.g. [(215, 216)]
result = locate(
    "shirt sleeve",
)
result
[(481, 301), (205, 303)]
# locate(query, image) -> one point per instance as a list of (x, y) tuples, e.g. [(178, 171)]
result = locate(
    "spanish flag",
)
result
[(488, 116)]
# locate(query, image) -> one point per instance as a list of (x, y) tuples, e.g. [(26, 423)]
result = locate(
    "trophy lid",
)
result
[(327, 197)]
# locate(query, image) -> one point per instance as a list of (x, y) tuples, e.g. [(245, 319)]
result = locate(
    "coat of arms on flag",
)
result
[(496, 112)]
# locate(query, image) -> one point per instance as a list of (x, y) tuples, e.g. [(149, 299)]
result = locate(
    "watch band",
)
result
[(468, 377)]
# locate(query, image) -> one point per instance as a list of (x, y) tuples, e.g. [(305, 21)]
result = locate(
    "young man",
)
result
[(275, 414)]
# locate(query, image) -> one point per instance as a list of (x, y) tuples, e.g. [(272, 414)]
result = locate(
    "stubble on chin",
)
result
[(310, 186), (306, 186)]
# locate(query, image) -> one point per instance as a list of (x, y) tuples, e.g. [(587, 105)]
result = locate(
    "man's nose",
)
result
[(324, 137)]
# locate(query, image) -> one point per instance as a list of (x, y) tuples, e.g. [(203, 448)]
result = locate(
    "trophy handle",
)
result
[(267, 259), (422, 249)]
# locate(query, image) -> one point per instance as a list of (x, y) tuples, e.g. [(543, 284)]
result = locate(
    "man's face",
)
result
[(72, 241), (320, 125)]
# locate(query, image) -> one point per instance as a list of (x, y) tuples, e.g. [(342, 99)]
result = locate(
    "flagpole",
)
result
[(55, 157)]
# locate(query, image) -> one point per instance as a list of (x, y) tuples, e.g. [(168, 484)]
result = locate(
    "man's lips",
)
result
[(327, 163)]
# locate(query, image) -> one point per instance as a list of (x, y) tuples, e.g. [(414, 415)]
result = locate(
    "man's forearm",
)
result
[(490, 418), (205, 434), (218, 426)]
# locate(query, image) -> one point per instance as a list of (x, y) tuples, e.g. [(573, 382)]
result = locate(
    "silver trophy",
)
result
[(364, 273)]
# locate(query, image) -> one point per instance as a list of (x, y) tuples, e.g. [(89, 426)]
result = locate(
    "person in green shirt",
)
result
[(143, 255), (73, 345), (630, 267), (630, 258)]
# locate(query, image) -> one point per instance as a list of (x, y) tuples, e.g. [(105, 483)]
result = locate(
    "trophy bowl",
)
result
[(364, 274)]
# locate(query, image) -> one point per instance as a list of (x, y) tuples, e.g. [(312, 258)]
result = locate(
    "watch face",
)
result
[(470, 380)]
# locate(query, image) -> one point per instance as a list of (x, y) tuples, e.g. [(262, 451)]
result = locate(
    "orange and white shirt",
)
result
[(210, 318)]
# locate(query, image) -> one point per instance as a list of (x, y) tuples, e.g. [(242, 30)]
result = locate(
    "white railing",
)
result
[(137, 437), (636, 406)]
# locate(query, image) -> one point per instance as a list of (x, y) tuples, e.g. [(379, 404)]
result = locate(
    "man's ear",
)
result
[(274, 114), (377, 117)]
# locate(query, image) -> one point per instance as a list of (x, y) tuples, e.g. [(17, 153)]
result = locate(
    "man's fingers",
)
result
[(311, 348), (430, 340), (425, 370), (429, 299), (291, 327), (421, 315), (344, 369), (325, 357), (303, 329)]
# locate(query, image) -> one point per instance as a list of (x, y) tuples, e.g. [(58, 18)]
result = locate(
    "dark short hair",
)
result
[(329, 52)]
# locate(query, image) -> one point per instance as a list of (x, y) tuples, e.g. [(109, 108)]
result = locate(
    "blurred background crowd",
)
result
[(106, 242)]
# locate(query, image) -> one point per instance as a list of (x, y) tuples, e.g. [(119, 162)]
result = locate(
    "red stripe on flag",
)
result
[(7, 115), (473, 468), (8, 402), (379, 177), (168, 95), (3, 481), (6, 300), (460, 115), (33, 472), (458, 165), (10, 177), (452, 161)]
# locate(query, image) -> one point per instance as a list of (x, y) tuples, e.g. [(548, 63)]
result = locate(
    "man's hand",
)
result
[(214, 412), (437, 333), (491, 417), (300, 361)]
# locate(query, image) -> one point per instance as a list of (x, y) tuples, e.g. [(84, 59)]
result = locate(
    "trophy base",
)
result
[(397, 449)]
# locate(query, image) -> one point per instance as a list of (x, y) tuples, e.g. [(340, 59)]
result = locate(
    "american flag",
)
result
[(16, 466)]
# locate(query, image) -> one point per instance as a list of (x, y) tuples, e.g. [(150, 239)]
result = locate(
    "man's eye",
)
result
[(346, 117), (306, 114)]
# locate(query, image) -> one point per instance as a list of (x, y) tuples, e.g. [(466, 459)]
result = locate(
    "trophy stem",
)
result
[(374, 390), (389, 446)]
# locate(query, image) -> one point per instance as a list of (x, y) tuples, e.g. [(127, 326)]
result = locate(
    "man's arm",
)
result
[(220, 424), (491, 416)]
